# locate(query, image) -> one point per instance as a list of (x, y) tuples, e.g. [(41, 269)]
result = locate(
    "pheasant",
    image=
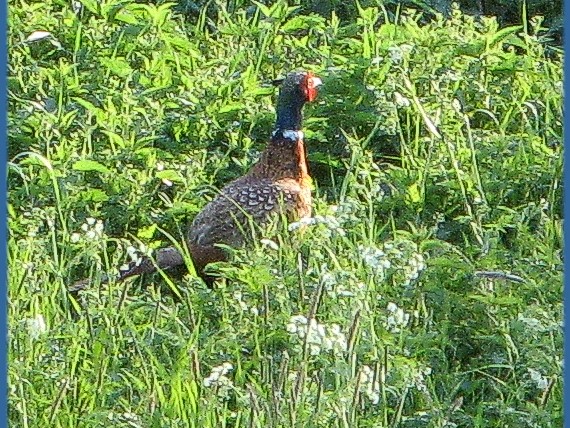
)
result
[(278, 184)]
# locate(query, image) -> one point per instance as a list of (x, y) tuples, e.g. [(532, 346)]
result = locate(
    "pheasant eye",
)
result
[(312, 82)]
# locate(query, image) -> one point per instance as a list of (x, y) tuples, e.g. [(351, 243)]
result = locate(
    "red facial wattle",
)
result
[(311, 85)]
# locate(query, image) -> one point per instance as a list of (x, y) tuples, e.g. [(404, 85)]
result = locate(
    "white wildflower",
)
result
[(374, 258), (368, 385), (397, 318), (318, 336), (376, 60), (531, 323), (36, 326), (239, 297), (291, 328), (540, 381), (77, 6), (269, 243), (218, 379), (132, 418), (93, 228), (418, 379), (331, 223), (99, 227)]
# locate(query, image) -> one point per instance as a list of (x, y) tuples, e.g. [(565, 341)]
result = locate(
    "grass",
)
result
[(436, 155)]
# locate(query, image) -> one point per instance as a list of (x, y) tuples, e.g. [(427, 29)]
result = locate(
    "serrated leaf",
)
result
[(127, 17), (169, 174), (413, 193), (301, 22), (231, 107), (502, 34), (95, 195), (115, 138), (147, 232), (118, 66), (86, 165)]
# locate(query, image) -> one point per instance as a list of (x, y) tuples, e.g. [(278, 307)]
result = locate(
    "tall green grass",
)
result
[(436, 155)]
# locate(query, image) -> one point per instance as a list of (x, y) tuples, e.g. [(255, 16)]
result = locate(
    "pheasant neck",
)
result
[(289, 113), (284, 157)]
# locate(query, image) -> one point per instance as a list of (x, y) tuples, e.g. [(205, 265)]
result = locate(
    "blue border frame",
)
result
[(3, 214)]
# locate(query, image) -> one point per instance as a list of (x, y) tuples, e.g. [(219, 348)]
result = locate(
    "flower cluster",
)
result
[(398, 258), (92, 229), (269, 244), (369, 384), (136, 255), (418, 379), (406, 260), (397, 318), (400, 100), (332, 224), (36, 326), (238, 296), (397, 53), (416, 264), (375, 258), (540, 381), (218, 379), (318, 336)]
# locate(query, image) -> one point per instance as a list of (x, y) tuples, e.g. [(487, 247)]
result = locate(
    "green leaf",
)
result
[(169, 174), (90, 165), (95, 195), (118, 66), (264, 9), (115, 138), (147, 232), (501, 35), (90, 107), (231, 107), (413, 193), (127, 17), (302, 23)]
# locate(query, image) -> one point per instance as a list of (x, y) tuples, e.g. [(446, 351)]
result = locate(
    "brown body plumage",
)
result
[(278, 184)]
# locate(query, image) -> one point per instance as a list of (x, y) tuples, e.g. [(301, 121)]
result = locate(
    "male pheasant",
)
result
[(278, 183)]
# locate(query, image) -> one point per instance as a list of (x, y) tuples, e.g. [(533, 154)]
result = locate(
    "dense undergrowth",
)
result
[(436, 155)]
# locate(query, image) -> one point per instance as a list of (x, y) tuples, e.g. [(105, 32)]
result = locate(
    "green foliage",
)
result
[(436, 153)]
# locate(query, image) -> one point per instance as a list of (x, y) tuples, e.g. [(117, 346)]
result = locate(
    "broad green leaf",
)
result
[(231, 107), (95, 195), (118, 66), (302, 22), (90, 165), (169, 174), (147, 232), (413, 193)]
